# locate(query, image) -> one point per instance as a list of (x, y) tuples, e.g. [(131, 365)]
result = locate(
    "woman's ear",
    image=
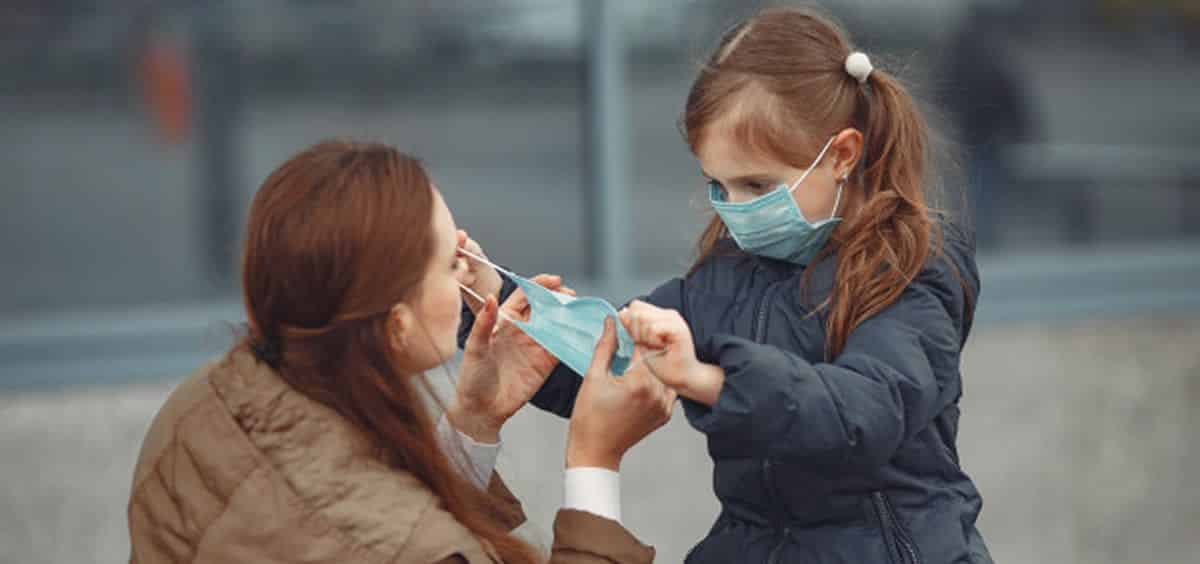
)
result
[(846, 150), (402, 321)]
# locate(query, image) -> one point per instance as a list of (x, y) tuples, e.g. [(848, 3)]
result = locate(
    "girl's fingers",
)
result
[(548, 281), (627, 318)]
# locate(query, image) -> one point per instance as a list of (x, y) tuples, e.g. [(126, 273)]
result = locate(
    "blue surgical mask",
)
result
[(568, 327), (772, 225)]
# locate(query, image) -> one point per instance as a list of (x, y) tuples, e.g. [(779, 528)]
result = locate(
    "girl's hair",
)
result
[(779, 78), (335, 237)]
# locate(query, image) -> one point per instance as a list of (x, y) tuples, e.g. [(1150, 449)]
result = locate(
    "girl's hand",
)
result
[(674, 360), (613, 414), (478, 276), (502, 367)]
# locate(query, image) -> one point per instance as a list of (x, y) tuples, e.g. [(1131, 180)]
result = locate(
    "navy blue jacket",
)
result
[(848, 461)]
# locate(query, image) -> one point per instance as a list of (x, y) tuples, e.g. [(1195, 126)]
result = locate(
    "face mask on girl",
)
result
[(772, 225)]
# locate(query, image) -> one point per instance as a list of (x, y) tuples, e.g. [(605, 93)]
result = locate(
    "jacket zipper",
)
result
[(888, 520), (759, 336), (760, 325), (773, 495)]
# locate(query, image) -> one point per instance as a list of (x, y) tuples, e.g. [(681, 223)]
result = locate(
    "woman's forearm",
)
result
[(476, 460), (473, 424)]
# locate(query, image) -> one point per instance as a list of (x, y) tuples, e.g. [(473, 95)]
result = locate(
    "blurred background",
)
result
[(133, 134)]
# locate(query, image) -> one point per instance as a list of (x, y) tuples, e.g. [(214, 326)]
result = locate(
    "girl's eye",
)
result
[(759, 187)]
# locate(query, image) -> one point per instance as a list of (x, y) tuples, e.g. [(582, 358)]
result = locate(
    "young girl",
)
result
[(817, 337)]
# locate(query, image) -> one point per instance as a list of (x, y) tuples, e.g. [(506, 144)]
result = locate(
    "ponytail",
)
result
[(886, 243)]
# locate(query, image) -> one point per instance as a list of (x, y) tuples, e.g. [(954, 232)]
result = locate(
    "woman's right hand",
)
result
[(612, 414)]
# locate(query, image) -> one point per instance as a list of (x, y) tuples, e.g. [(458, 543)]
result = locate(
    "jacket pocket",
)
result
[(899, 542)]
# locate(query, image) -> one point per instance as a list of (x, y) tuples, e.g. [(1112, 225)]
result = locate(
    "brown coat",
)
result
[(239, 467)]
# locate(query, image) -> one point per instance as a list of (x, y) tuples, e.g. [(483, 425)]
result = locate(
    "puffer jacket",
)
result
[(852, 460)]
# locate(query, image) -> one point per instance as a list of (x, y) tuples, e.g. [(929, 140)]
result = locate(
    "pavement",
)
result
[(1079, 436)]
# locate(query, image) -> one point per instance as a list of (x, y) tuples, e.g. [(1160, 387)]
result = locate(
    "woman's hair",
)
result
[(335, 237), (780, 79)]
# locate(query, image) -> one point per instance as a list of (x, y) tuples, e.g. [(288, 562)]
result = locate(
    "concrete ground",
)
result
[(1081, 438)]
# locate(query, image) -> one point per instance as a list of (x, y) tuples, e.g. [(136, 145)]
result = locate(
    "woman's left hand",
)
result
[(502, 367)]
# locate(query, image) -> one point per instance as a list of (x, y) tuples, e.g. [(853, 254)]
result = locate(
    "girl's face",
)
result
[(744, 175), (426, 328)]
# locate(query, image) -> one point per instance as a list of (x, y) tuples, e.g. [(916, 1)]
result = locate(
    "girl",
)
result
[(816, 340)]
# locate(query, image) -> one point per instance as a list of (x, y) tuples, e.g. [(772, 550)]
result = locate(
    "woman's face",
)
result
[(431, 328)]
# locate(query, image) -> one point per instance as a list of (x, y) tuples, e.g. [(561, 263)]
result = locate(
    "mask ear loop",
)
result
[(837, 200), (482, 301), (812, 166), (475, 294), (498, 268)]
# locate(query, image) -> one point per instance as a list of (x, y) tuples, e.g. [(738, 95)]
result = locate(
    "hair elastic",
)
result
[(859, 66)]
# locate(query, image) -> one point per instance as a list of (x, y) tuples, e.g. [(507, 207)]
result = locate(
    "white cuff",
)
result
[(595, 490), (474, 460)]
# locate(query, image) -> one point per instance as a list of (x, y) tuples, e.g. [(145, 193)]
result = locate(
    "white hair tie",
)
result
[(859, 66)]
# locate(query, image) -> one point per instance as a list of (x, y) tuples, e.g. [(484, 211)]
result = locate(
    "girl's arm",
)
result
[(898, 371)]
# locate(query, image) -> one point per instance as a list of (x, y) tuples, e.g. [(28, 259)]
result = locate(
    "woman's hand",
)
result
[(612, 414), (501, 368), (674, 360), (479, 276)]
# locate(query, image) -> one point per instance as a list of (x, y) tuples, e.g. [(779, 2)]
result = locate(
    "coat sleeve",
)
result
[(897, 372), (584, 538), (579, 537)]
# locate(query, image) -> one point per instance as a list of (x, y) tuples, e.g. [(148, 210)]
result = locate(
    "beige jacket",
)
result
[(239, 467)]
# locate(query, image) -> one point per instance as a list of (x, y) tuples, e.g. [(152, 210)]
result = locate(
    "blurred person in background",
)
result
[(992, 111), (310, 441)]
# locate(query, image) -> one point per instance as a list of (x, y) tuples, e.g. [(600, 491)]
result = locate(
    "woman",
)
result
[(309, 441)]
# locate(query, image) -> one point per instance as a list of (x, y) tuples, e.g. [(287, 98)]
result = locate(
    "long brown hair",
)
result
[(783, 73), (335, 237)]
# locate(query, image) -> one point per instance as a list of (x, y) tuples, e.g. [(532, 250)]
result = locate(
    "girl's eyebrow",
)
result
[(744, 179), (752, 178)]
